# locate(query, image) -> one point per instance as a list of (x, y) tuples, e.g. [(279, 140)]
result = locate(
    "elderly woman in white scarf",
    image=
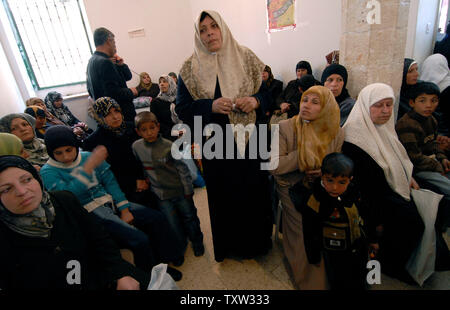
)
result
[(435, 69), (222, 83), (383, 173)]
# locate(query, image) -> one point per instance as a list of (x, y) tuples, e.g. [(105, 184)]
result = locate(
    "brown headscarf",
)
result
[(313, 137)]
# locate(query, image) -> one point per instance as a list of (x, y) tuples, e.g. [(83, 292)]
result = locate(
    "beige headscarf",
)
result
[(313, 137), (380, 141), (238, 69)]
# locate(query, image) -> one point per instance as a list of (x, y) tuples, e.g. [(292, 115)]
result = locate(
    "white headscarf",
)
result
[(435, 69), (380, 141)]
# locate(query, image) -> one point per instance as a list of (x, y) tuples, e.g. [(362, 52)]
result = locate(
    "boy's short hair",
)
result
[(423, 87), (337, 164), (144, 117)]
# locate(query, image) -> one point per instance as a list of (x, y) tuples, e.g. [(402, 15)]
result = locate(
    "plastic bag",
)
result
[(161, 280), (421, 263), (142, 102)]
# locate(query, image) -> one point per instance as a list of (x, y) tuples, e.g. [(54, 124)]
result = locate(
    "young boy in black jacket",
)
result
[(332, 225)]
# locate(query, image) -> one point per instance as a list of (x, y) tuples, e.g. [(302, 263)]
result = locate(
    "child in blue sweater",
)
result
[(143, 230)]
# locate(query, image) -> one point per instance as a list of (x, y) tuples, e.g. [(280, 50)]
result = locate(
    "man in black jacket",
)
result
[(107, 74)]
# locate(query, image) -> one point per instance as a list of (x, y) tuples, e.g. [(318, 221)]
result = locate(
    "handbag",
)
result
[(421, 263)]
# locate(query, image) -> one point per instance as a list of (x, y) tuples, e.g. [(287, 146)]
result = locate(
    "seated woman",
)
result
[(88, 176), (118, 136), (53, 229), (41, 122), (55, 105), (304, 141), (146, 88), (274, 86), (11, 145), (410, 79), (289, 98), (335, 78), (435, 69), (173, 75), (168, 89), (51, 119), (22, 125), (383, 173), (168, 93)]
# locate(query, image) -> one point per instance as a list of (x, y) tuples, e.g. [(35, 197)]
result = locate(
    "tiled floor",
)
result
[(264, 273)]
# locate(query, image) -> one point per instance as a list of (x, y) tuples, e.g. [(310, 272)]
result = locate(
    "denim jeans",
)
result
[(439, 181), (150, 237), (182, 216)]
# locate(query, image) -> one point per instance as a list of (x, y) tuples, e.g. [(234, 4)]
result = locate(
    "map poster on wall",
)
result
[(281, 14)]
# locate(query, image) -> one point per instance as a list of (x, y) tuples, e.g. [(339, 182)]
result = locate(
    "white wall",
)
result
[(424, 42), (317, 34), (168, 30), (412, 25), (11, 100)]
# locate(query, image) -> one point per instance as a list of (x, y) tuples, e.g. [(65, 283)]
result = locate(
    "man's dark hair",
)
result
[(423, 87), (338, 165), (101, 35)]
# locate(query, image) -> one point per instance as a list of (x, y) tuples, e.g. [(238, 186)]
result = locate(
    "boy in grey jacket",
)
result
[(170, 180)]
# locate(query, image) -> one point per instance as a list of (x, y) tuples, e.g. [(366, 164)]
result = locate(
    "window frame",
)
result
[(24, 54)]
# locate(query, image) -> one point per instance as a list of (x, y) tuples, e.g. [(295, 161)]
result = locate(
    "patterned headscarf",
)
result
[(51, 119), (236, 67), (36, 223), (62, 113), (101, 108), (171, 94), (36, 111), (313, 137), (36, 147), (10, 144)]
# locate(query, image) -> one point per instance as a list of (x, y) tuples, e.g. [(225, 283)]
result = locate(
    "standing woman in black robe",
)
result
[(222, 83)]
